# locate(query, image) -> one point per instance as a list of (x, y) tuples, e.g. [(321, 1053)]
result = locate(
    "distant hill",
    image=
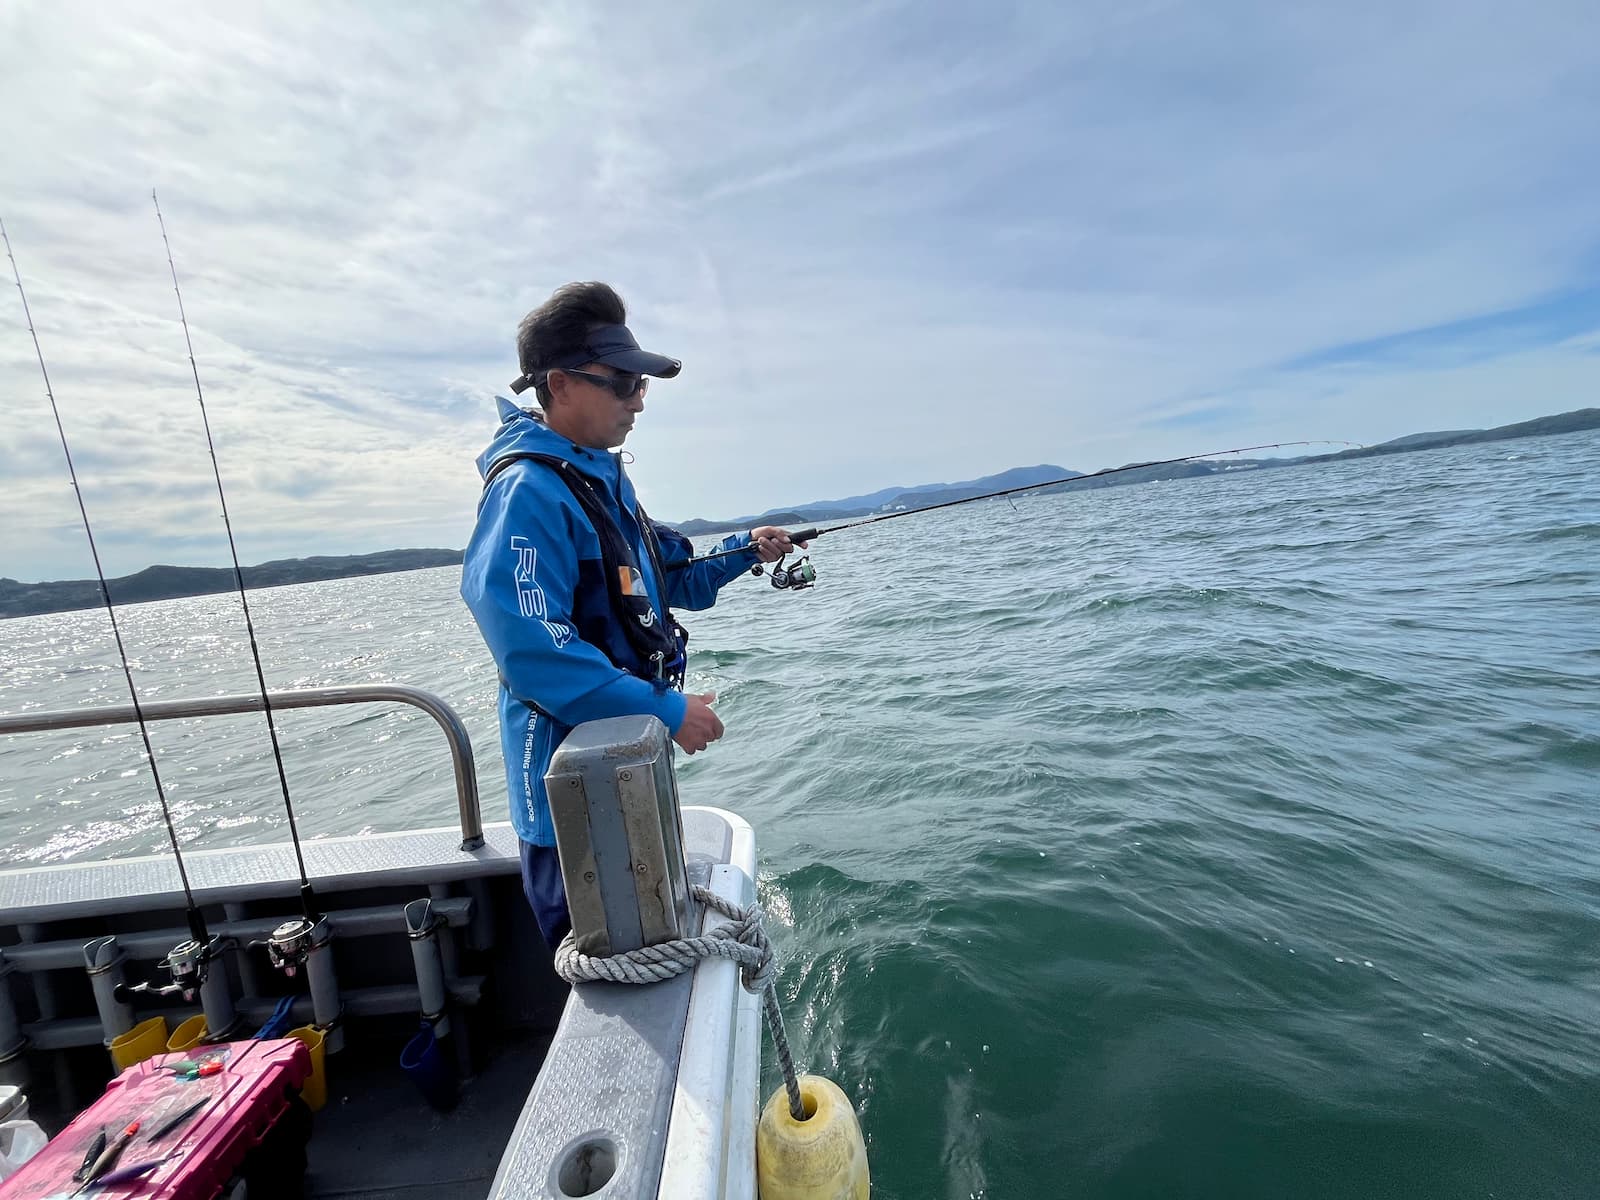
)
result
[(1575, 421), (884, 500), (169, 583), (1419, 441), (929, 494)]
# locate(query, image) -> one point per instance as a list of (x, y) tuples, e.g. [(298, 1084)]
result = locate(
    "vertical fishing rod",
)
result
[(197, 923), (308, 900)]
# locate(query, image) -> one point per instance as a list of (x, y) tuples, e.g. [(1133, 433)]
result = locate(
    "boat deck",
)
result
[(377, 1140)]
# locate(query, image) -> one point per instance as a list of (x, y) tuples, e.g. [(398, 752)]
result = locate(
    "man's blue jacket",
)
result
[(534, 580)]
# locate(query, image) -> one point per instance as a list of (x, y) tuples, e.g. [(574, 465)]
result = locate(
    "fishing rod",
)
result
[(291, 942), (801, 574), (189, 961)]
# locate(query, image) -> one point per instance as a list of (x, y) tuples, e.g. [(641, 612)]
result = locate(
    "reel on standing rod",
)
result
[(290, 945), (189, 963)]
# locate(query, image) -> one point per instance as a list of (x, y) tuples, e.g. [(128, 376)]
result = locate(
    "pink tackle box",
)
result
[(249, 1093)]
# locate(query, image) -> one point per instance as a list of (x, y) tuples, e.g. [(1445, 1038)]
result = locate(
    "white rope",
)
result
[(743, 940)]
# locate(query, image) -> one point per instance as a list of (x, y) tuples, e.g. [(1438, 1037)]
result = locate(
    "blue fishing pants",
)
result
[(547, 895)]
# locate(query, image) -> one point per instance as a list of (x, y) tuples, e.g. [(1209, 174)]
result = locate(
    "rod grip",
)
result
[(804, 535)]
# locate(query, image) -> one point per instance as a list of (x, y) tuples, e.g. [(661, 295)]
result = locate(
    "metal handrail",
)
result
[(168, 710)]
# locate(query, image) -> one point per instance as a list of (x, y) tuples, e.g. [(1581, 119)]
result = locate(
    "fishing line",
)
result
[(307, 899), (197, 925), (805, 535)]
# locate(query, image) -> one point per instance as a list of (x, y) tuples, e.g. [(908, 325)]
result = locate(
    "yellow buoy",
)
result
[(820, 1158)]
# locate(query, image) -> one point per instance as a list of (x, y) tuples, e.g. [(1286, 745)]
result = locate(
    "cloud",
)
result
[(1556, 321), (891, 242)]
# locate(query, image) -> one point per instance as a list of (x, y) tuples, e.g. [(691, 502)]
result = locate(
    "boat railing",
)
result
[(455, 732)]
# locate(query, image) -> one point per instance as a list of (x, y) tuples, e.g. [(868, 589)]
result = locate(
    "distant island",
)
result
[(169, 583)]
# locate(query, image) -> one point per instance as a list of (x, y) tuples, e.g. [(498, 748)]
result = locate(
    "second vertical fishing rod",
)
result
[(296, 942)]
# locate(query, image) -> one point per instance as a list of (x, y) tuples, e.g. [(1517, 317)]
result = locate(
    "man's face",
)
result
[(602, 419)]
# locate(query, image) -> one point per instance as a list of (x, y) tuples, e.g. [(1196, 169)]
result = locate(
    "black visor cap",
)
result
[(611, 346), (615, 346)]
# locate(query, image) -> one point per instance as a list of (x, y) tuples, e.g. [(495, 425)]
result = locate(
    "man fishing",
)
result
[(566, 575)]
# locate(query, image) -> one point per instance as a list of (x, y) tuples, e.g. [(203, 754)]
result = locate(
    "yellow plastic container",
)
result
[(145, 1040), (315, 1090), (188, 1035), (820, 1158)]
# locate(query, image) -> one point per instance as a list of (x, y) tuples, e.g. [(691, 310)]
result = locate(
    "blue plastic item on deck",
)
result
[(278, 1021), (434, 1074)]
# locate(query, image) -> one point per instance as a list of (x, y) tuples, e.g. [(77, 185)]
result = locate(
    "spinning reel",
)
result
[(292, 943), (796, 577), (188, 963)]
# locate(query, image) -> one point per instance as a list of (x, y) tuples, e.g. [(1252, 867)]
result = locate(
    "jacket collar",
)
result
[(524, 429)]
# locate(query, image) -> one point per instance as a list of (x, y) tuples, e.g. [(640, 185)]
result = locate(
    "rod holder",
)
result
[(103, 959), (216, 993), (422, 928), (614, 803), (324, 984)]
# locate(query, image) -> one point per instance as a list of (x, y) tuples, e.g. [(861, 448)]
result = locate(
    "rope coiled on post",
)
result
[(744, 941)]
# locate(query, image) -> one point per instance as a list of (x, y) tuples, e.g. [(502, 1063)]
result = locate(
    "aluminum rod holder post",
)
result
[(216, 993), (103, 959), (324, 984), (422, 927)]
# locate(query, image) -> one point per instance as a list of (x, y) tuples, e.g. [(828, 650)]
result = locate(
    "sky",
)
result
[(893, 243)]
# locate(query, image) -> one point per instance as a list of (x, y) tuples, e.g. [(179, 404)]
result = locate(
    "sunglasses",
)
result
[(623, 387)]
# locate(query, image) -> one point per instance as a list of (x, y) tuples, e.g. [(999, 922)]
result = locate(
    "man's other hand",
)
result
[(700, 725)]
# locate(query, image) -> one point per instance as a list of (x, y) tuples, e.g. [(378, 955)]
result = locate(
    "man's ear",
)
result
[(557, 383)]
